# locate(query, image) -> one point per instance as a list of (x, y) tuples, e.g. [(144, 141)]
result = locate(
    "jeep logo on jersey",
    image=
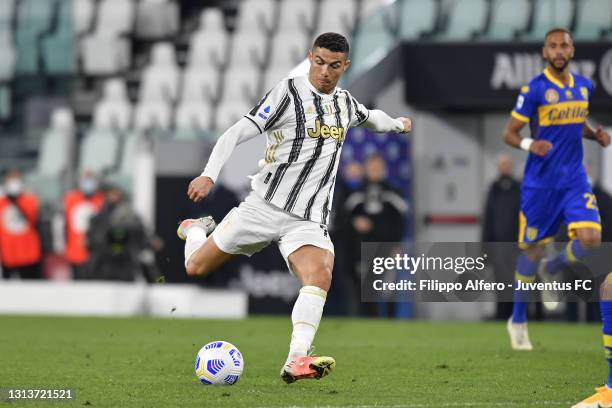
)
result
[(326, 131)]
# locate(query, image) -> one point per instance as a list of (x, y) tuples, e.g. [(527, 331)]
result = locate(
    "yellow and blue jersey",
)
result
[(555, 187), (556, 113)]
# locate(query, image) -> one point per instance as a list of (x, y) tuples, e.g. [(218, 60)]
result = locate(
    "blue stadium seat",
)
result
[(508, 18), (58, 49), (594, 18), (33, 19)]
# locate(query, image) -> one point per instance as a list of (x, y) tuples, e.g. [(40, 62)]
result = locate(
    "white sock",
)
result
[(196, 236), (306, 317)]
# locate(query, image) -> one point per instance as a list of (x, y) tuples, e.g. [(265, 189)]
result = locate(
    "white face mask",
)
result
[(13, 187), (89, 185)]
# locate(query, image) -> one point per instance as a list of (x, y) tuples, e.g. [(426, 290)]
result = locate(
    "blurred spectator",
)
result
[(376, 214), (116, 239), (502, 208), (351, 177), (500, 224), (20, 247), (80, 205)]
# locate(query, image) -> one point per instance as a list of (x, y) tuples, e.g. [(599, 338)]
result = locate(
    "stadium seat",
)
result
[(288, 49), (33, 19), (548, 14), (230, 112), (370, 7), (337, 16), (508, 18), (82, 16), (58, 49), (9, 56), (105, 54), (249, 48), (209, 45), (124, 173), (6, 105), (153, 116), (372, 40), (157, 19), (54, 157), (98, 151), (106, 51), (297, 16), (241, 84), (466, 19), (160, 79), (200, 84), (115, 17), (272, 76), (594, 19), (192, 115), (417, 17), (114, 111), (257, 15)]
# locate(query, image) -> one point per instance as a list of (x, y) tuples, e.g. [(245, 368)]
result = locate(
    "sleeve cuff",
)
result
[(520, 117)]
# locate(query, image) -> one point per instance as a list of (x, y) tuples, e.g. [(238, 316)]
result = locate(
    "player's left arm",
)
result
[(379, 121), (598, 134), (376, 119)]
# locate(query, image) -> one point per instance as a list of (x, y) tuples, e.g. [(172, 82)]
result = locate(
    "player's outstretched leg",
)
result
[(526, 266), (313, 267), (603, 395), (202, 255)]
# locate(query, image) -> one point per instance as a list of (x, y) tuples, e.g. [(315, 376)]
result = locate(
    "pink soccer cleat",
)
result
[(205, 222), (307, 367)]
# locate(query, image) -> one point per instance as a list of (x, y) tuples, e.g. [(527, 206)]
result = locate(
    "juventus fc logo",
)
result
[(326, 131)]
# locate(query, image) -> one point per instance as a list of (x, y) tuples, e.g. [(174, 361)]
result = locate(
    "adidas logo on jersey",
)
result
[(326, 131)]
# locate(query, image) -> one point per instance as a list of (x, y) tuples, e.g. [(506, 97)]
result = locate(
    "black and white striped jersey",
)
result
[(305, 130)]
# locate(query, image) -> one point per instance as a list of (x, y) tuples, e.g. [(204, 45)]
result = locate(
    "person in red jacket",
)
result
[(20, 247), (80, 205)]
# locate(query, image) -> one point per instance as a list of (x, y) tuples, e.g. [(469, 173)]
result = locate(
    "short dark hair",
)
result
[(332, 41), (558, 30)]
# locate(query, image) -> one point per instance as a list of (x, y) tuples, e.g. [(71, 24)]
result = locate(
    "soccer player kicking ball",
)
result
[(555, 188), (305, 120)]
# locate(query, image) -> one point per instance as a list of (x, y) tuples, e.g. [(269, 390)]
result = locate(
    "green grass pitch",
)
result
[(145, 362)]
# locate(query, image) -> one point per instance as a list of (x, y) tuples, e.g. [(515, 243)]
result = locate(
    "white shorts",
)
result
[(255, 223)]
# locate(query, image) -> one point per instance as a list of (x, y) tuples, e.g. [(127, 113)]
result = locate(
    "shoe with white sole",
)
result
[(207, 223), (519, 336)]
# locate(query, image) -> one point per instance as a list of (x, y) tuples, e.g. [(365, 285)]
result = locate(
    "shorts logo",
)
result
[(326, 131), (569, 94), (585, 93), (532, 233), (551, 96)]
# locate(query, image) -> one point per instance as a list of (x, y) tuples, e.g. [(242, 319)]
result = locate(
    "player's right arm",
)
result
[(264, 116), (240, 132), (526, 105)]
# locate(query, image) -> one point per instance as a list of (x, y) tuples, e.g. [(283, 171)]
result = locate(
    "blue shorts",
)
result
[(543, 210)]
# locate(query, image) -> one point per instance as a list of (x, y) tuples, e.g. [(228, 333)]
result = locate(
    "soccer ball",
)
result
[(219, 363)]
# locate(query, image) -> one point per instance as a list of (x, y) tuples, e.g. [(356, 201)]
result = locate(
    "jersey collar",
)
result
[(555, 81), (313, 89)]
